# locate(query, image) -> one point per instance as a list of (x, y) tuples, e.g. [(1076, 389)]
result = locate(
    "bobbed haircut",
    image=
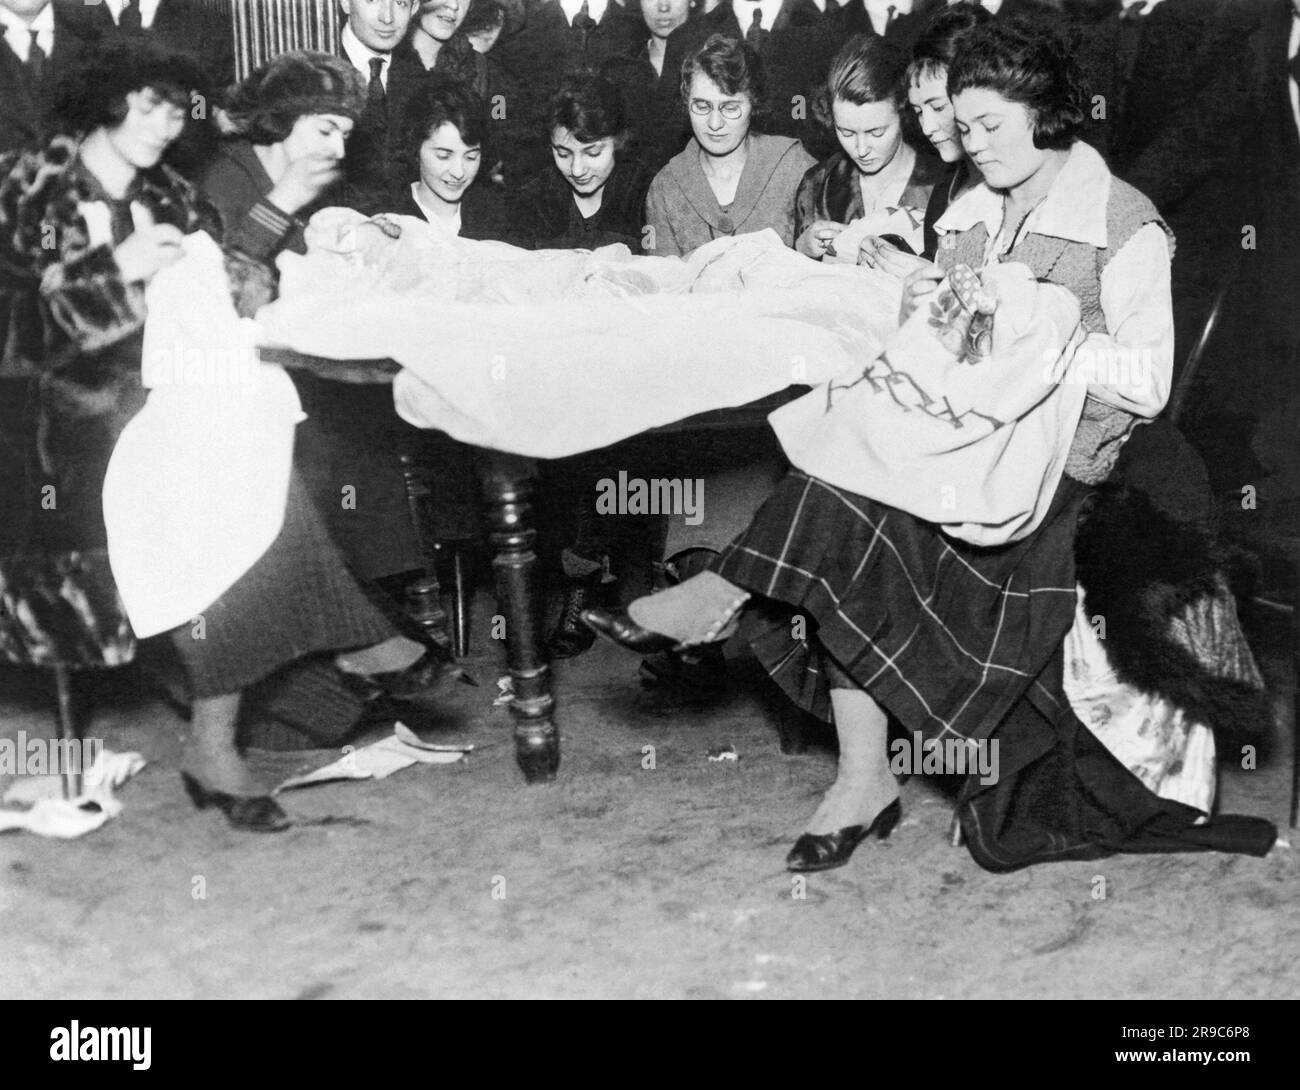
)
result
[(589, 106), (1028, 64), (483, 15), (867, 69), (92, 94), (943, 36), (437, 99), (265, 107), (729, 63)]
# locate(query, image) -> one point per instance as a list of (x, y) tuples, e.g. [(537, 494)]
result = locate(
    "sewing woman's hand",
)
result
[(150, 247), (876, 253), (816, 241), (918, 286)]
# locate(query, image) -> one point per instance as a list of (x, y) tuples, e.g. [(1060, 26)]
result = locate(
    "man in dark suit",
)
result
[(187, 25), (374, 41), (1264, 382), (42, 39), (1168, 108), (899, 22), (558, 37)]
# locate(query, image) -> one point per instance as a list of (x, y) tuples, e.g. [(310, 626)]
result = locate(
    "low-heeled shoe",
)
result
[(625, 632), (252, 813), (825, 851), (423, 677)]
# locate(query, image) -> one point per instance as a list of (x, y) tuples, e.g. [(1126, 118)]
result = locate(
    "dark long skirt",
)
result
[(297, 599), (957, 642)]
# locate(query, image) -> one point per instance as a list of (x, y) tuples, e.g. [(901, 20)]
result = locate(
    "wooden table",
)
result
[(508, 483)]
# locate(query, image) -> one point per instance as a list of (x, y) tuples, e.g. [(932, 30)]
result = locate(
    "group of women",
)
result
[(949, 640)]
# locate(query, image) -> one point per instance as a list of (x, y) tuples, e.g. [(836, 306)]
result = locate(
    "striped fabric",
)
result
[(298, 598), (945, 636)]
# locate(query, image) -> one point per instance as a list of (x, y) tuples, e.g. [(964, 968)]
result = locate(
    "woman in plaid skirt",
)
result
[(861, 611)]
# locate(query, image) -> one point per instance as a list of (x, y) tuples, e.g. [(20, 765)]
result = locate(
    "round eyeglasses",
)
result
[(730, 110)]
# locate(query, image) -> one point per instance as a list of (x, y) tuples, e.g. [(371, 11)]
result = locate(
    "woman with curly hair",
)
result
[(437, 160)]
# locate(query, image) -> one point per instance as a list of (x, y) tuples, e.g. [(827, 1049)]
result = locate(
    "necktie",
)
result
[(754, 35), (583, 21), (891, 13), (1136, 11), (35, 59), (375, 95), (129, 18)]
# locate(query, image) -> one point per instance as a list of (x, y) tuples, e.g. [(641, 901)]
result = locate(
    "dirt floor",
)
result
[(615, 881)]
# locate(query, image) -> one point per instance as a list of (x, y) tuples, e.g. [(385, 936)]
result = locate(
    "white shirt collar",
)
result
[(878, 11), (446, 225), (361, 55), (595, 8), (1151, 5), (1074, 208), (18, 32), (744, 10), (148, 10)]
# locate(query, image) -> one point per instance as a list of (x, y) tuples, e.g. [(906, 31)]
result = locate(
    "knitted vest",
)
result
[(1077, 266)]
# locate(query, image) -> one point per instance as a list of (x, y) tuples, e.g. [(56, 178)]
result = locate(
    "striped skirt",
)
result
[(298, 598), (945, 636)]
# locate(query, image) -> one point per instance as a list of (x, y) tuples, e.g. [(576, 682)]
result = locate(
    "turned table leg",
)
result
[(508, 484)]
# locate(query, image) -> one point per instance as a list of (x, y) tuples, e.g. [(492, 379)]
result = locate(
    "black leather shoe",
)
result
[(625, 632), (570, 637), (825, 851), (423, 677), (697, 675), (254, 814)]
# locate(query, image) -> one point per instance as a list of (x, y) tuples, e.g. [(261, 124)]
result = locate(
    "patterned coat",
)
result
[(73, 327)]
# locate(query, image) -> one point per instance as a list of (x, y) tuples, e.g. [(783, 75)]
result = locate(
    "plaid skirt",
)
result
[(298, 598), (945, 636)]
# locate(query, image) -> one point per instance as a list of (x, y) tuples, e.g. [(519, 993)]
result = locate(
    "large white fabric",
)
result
[(558, 352), (196, 488), (976, 445)]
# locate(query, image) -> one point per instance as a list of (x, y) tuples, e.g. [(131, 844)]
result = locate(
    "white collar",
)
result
[(1151, 5), (744, 10), (361, 54), (148, 11), (447, 225), (1074, 208), (595, 8), (43, 23)]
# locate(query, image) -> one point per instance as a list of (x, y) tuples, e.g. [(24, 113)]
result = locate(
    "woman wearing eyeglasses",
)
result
[(729, 180)]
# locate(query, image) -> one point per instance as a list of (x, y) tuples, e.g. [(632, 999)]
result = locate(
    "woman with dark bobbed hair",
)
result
[(927, 94), (729, 180), (437, 158), (595, 196), (75, 314), (875, 170), (862, 611)]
